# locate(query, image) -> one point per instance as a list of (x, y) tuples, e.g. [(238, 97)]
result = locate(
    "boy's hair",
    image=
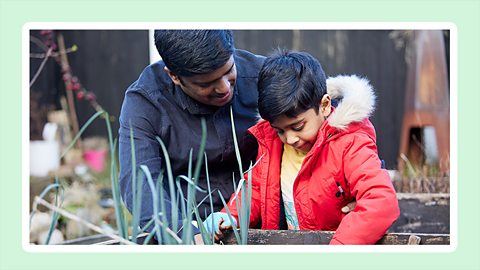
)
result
[(193, 52), (290, 83)]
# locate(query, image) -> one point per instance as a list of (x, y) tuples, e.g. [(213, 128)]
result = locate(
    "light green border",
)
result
[(465, 14)]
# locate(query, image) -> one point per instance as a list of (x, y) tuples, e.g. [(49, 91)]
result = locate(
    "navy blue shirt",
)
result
[(154, 106)]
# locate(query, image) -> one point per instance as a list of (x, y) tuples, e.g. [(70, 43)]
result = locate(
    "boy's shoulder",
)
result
[(356, 136), (263, 130)]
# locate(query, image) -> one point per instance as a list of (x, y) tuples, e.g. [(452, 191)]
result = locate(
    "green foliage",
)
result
[(244, 206), (120, 217), (164, 232), (55, 216)]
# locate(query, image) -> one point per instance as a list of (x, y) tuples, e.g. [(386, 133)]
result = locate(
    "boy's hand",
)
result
[(349, 207), (198, 239), (220, 222)]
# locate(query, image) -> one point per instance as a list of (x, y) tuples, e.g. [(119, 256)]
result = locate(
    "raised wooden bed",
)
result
[(101, 239), (266, 237), (271, 237), (424, 219)]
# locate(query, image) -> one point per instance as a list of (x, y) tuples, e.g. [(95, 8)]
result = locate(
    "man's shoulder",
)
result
[(249, 55), (248, 64), (152, 82), (149, 92)]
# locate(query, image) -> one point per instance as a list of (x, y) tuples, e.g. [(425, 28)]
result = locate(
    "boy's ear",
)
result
[(175, 79), (326, 105)]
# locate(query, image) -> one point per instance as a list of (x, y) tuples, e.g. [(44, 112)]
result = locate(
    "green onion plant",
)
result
[(163, 231)]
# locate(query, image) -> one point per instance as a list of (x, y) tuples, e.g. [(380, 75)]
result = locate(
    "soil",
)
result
[(423, 213)]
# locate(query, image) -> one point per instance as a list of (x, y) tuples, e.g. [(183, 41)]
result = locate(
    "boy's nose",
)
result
[(291, 139)]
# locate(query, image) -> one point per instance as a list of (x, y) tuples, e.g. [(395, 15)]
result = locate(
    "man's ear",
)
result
[(326, 105), (175, 79)]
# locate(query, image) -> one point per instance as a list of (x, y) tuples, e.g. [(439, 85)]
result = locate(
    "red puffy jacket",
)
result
[(345, 154)]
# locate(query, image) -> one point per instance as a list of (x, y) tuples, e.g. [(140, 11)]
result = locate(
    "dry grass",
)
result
[(425, 179), (423, 184)]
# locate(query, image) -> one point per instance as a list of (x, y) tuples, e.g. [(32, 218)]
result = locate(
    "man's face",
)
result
[(301, 131), (214, 88)]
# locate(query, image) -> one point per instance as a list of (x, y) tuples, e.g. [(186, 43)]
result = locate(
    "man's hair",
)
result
[(193, 52), (290, 83)]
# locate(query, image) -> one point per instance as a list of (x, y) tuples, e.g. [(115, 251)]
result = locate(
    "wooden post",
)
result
[(70, 98), (414, 240)]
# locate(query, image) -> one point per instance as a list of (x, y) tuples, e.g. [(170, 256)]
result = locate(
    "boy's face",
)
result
[(301, 131), (214, 88)]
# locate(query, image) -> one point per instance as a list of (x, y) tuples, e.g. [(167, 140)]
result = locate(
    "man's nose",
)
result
[(223, 86)]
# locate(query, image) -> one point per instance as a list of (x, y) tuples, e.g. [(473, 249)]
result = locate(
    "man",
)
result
[(201, 74)]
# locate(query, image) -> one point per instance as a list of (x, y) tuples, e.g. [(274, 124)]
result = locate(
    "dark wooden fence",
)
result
[(108, 61), (368, 53)]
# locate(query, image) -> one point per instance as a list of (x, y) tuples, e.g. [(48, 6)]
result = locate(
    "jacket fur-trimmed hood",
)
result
[(356, 100)]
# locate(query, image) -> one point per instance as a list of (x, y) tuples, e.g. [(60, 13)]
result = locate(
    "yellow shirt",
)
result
[(291, 163)]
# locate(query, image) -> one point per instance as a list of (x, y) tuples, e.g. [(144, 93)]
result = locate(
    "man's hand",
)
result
[(220, 222), (349, 207)]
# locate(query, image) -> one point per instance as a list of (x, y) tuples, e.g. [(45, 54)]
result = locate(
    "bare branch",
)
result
[(47, 55), (71, 216)]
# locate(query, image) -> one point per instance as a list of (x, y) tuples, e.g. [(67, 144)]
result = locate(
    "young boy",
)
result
[(314, 157)]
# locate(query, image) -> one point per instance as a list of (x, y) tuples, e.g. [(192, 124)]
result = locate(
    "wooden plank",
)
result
[(271, 237), (284, 237), (88, 240), (100, 239)]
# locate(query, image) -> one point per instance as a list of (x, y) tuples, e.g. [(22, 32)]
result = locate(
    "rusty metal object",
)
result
[(427, 98)]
